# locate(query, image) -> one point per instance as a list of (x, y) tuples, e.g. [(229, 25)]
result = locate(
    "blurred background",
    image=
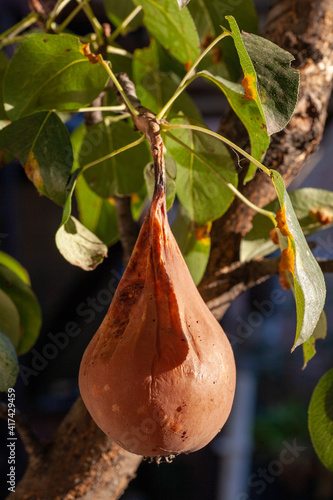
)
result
[(264, 451)]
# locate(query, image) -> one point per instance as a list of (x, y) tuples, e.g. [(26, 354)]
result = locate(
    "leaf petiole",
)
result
[(125, 23), (171, 126), (188, 78), (262, 211), (114, 153), (20, 26), (106, 65)]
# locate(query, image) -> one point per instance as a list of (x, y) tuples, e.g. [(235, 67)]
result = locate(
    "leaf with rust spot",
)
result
[(249, 84), (31, 168), (308, 281), (42, 144)]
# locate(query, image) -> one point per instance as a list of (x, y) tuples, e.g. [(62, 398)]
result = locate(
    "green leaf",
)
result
[(209, 17), (9, 368), (118, 11), (9, 261), (42, 144), (9, 319), (27, 305), (194, 243), (173, 28), (79, 246), (121, 174), (269, 80), (203, 167), (97, 214), (138, 202), (321, 419), (155, 87), (3, 66), (51, 72), (320, 332), (247, 111), (170, 170), (313, 208), (308, 280)]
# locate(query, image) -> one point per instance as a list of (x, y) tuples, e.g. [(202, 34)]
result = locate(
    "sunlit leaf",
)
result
[(194, 243), (209, 17), (320, 332), (268, 80), (9, 368), (9, 261), (308, 280), (27, 306), (203, 167), (173, 28), (50, 72), (248, 112), (321, 419), (182, 3), (42, 144), (313, 208)]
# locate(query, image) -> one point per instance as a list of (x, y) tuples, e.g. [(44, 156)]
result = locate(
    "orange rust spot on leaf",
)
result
[(93, 58), (249, 83), (187, 65), (282, 222), (202, 233), (322, 215), (32, 171), (112, 201), (274, 236)]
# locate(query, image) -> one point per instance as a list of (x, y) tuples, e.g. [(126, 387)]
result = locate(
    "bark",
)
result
[(80, 461)]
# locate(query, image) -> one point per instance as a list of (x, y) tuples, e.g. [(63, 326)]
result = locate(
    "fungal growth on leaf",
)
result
[(159, 375)]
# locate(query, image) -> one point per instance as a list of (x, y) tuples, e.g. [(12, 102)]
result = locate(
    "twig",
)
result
[(128, 228), (231, 281)]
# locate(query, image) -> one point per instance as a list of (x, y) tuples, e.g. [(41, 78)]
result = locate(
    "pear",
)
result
[(159, 375)]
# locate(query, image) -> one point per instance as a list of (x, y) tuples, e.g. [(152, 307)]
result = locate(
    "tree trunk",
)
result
[(80, 461)]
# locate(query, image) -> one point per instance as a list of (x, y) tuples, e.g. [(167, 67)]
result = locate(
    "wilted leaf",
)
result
[(50, 72), (203, 164), (27, 305), (309, 284), (42, 144), (9, 368), (173, 28), (79, 246), (321, 419)]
